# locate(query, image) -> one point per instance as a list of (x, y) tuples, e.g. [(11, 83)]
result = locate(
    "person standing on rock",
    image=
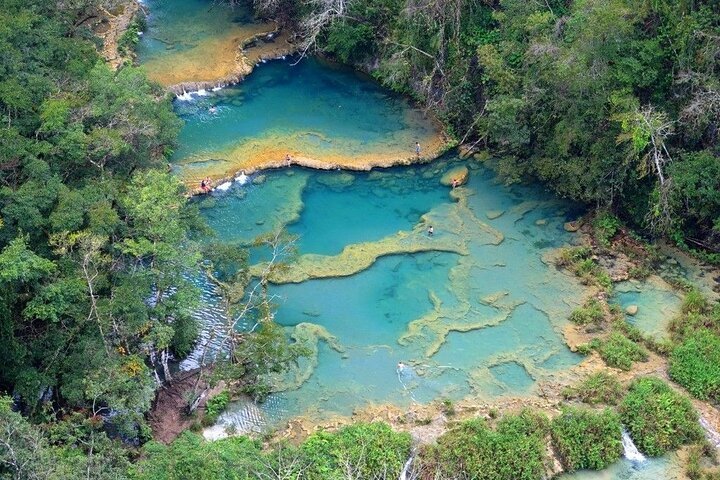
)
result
[(431, 231), (417, 148)]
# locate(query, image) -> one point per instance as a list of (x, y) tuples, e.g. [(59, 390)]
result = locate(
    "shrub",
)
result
[(369, 450), (620, 352), (215, 406), (591, 312), (515, 450), (605, 226), (585, 439), (571, 256), (448, 407), (694, 302), (695, 364), (600, 387), (658, 418)]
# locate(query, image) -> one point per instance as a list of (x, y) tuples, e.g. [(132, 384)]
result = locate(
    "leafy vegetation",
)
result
[(585, 439), (590, 313), (600, 387), (695, 364), (658, 418), (619, 351), (359, 451), (515, 449), (579, 260)]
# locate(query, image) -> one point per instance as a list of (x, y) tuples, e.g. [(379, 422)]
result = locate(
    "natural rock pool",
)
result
[(321, 115), (390, 314), (198, 42), (473, 309)]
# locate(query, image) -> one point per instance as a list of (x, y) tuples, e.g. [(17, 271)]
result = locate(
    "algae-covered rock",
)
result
[(541, 222), (458, 174), (259, 180), (632, 310), (482, 155)]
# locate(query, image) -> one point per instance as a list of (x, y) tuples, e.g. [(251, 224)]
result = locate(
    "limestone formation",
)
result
[(457, 175)]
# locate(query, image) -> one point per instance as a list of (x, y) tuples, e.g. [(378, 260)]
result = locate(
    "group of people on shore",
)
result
[(206, 185)]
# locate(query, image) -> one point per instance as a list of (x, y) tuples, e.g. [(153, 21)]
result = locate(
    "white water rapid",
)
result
[(630, 451)]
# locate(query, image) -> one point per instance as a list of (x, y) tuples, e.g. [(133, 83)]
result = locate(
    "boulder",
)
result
[(572, 226), (260, 179), (632, 310), (493, 214), (460, 174)]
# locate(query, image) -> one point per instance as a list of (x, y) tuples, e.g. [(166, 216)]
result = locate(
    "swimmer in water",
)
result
[(400, 366), (212, 109)]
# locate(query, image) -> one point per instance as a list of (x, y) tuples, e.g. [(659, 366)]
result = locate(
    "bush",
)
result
[(620, 352), (215, 406), (515, 450), (571, 256), (600, 387), (585, 439), (695, 302), (605, 226), (591, 312), (350, 42), (190, 456), (695, 364), (658, 418), (370, 450)]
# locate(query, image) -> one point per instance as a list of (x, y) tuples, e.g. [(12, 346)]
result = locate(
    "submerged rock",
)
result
[(259, 180), (493, 214), (458, 174), (343, 180), (632, 310)]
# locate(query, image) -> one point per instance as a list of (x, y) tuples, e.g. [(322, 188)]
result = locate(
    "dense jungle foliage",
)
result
[(98, 246), (610, 102)]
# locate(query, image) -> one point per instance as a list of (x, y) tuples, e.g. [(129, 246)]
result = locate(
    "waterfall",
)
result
[(186, 96), (224, 186), (630, 451), (404, 475), (710, 433)]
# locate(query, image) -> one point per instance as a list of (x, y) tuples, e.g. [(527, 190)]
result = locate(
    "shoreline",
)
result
[(275, 45), (258, 165)]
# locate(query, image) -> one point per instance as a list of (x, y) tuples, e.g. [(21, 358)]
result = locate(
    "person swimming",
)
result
[(212, 109)]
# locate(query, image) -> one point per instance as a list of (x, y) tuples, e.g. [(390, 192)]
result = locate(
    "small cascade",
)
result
[(711, 434), (405, 474), (630, 451), (224, 186), (185, 96)]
